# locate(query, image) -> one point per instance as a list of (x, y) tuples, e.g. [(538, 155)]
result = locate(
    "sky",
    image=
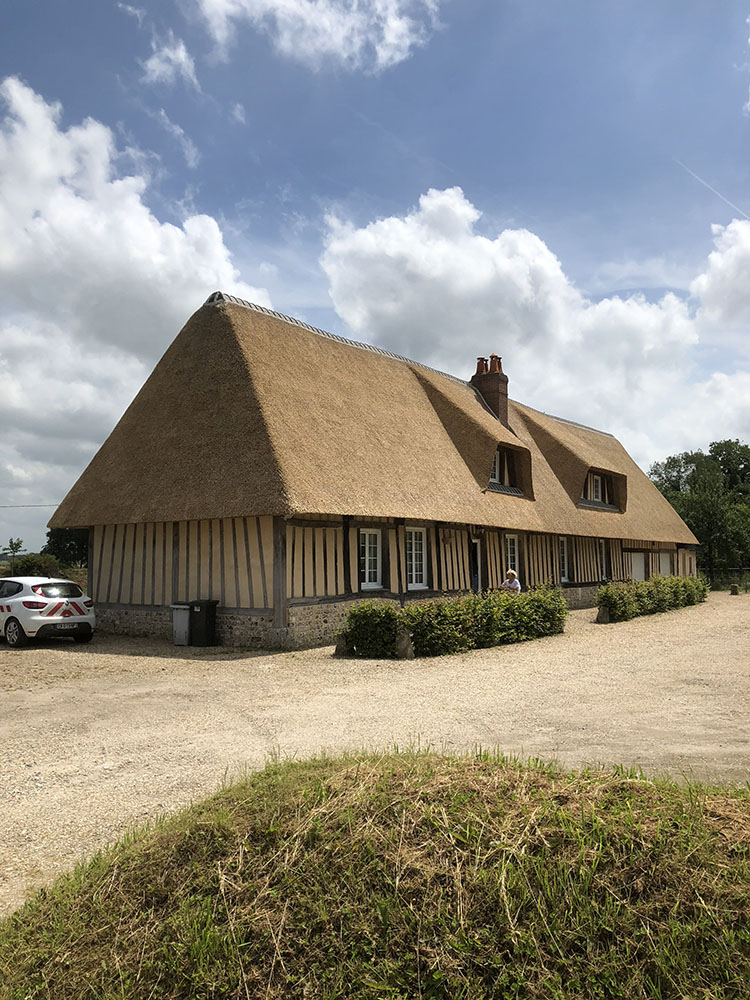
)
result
[(567, 185)]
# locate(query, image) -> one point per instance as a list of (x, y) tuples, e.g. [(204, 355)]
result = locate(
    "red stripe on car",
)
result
[(77, 607), (54, 610)]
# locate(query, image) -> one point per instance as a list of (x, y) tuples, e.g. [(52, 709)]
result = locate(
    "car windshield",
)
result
[(57, 590)]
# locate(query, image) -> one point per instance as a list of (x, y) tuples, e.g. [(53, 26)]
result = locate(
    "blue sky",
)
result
[(443, 178)]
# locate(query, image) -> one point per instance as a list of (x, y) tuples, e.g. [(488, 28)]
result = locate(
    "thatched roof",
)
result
[(250, 412)]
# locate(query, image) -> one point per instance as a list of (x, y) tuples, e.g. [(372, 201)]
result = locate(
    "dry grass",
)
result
[(402, 876)]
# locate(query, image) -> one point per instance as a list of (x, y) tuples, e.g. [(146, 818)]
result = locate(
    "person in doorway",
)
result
[(511, 582)]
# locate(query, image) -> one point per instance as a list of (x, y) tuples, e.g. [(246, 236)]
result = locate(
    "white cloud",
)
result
[(188, 147), (93, 286), (137, 12), (723, 290), (430, 286), (371, 35), (238, 113), (169, 61)]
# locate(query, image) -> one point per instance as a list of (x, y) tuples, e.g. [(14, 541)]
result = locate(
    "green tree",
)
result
[(70, 546), (15, 548), (711, 493)]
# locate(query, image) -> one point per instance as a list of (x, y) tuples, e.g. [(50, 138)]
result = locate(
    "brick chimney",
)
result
[(493, 385)]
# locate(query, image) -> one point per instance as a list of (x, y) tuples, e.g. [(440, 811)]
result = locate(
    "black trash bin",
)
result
[(203, 623)]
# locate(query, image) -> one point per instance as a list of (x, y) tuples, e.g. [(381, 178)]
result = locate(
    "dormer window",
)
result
[(504, 474), (599, 491)]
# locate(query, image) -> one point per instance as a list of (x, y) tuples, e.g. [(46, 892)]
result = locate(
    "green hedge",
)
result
[(661, 593), (455, 624)]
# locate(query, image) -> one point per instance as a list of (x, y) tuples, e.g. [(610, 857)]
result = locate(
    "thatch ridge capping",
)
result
[(216, 298), (564, 420)]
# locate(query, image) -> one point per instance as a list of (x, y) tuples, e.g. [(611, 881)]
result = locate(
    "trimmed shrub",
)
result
[(544, 613), (438, 627), (495, 619), (371, 629), (647, 597), (456, 624), (620, 600)]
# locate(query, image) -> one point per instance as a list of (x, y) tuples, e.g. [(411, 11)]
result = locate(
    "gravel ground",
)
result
[(97, 738)]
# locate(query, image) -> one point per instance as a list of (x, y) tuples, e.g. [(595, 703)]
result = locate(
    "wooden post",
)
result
[(279, 573), (90, 564), (175, 560), (347, 561)]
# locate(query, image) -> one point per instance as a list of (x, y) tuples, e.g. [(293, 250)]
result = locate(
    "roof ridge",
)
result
[(564, 420), (216, 298)]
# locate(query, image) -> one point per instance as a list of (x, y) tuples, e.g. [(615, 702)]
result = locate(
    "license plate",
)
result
[(64, 626)]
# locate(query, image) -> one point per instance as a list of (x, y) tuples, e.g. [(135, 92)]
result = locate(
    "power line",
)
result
[(18, 506)]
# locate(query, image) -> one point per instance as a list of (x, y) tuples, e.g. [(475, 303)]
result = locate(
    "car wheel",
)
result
[(83, 638), (14, 633)]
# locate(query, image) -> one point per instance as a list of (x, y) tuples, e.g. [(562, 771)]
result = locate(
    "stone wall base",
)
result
[(317, 624), (308, 624), (248, 631), (580, 597), (153, 623)]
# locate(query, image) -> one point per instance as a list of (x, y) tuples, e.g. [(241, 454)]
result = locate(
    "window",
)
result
[(665, 563), (504, 474), (564, 577), (599, 489), (603, 559), (370, 560), (416, 559), (57, 590), (511, 552), (503, 468)]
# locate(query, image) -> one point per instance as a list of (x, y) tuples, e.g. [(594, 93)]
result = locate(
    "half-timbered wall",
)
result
[(229, 560), (540, 560), (495, 556), (315, 560), (454, 559), (585, 559), (686, 563)]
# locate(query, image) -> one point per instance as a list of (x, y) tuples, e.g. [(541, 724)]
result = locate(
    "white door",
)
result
[(638, 562), (665, 563)]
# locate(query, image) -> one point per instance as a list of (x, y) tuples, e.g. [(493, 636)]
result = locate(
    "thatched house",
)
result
[(287, 472)]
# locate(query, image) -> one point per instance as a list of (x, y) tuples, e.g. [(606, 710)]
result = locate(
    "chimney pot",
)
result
[(492, 383)]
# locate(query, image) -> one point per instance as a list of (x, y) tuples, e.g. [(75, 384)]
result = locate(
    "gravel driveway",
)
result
[(96, 738)]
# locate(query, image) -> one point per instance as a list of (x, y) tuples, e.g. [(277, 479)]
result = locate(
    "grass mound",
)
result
[(403, 876)]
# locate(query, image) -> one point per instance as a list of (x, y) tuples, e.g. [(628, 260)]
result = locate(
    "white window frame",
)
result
[(563, 557), (602, 558), (365, 580), (514, 563), (596, 486), (495, 474), (411, 582)]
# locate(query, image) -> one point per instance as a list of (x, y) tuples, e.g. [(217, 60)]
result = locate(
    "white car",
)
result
[(41, 607)]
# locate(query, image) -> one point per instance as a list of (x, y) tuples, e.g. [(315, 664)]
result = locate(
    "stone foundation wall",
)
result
[(317, 624), (308, 624), (148, 622), (249, 631), (580, 597)]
